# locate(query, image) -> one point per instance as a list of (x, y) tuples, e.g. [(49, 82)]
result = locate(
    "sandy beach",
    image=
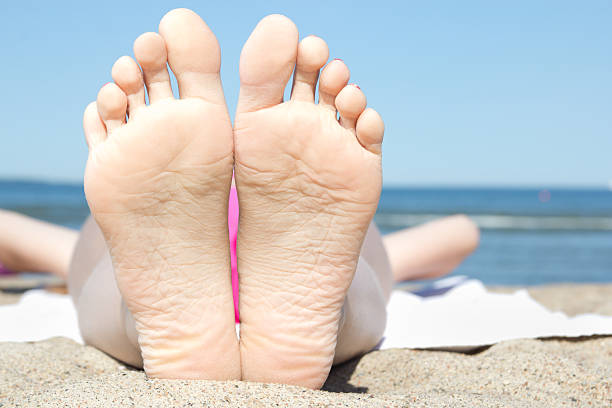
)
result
[(546, 373)]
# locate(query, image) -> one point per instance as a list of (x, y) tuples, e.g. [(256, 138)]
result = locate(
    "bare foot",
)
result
[(158, 187), (308, 186)]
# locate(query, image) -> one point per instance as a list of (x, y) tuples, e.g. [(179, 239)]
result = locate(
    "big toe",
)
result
[(193, 54), (267, 62)]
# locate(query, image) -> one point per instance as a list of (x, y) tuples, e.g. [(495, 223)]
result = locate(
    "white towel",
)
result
[(468, 316), (38, 316)]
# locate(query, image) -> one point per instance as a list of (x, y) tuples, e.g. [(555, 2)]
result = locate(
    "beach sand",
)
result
[(536, 373)]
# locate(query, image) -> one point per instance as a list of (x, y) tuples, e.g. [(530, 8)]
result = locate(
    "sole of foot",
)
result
[(308, 177), (157, 185)]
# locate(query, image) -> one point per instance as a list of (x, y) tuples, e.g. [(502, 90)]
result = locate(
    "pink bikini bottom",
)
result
[(232, 222), (5, 271)]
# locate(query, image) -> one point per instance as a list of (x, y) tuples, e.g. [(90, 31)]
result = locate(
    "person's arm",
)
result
[(30, 245), (432, 249)]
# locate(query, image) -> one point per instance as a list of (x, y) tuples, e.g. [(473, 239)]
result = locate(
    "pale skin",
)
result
[(308, 177), (27, 244)]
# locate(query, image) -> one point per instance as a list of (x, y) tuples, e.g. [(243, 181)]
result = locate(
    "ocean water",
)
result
[(528, 237)]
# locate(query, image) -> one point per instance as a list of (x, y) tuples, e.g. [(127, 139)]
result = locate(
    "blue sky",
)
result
[(472, 92)]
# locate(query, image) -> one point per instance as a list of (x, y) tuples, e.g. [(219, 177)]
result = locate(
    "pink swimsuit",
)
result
[(232, 222), (5, 271)]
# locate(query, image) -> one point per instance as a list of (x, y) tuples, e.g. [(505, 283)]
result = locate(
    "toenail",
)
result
[(338, 59), (355, 85)]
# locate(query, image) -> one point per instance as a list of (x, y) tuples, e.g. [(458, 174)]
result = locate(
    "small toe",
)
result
[(312, 54), (370, 130), (266, 63), (112, 106), (193, 55), (128, 77), (334, 77), (350, 102), (94, 129), (151, 54)]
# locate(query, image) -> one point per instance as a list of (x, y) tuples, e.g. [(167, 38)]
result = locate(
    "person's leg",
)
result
[(364, 313), (119, 327), (106, 323), (308, 186), (104, 320), (432, 249), (158, 187), (424, 252), (30, 245)]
